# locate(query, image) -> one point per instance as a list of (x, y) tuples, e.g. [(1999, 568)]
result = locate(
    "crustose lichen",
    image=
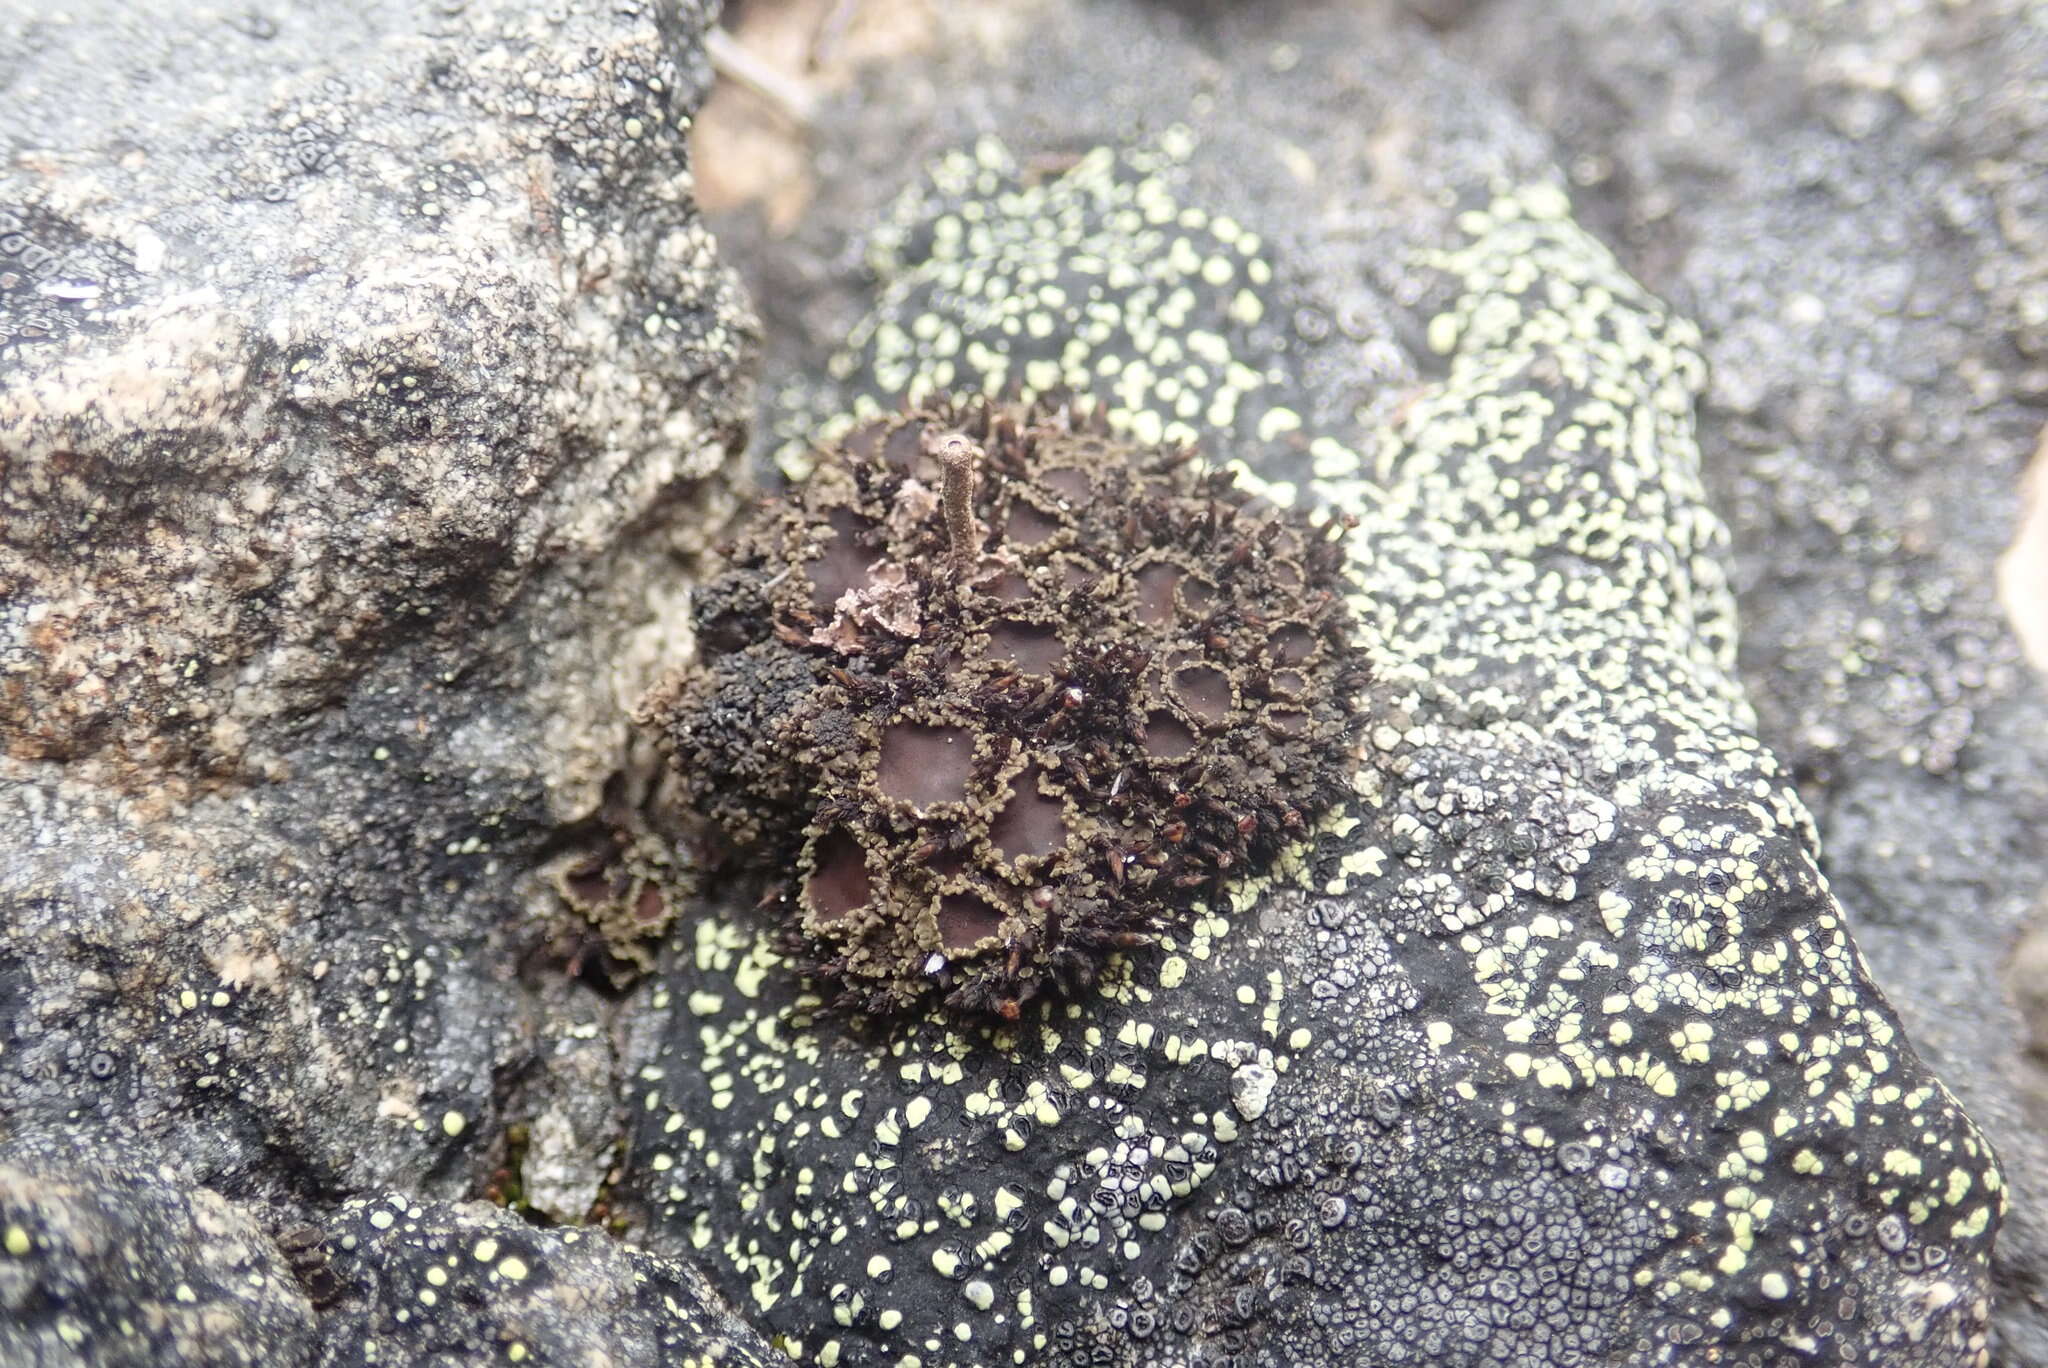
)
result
[(998, 694)]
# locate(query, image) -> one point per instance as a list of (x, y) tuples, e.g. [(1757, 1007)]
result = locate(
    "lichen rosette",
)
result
[(998, 694)]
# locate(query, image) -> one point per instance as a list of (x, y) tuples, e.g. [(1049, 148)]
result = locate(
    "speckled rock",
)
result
[(1553, 1047), (458, 1283), (279, 850), (329, 363), (367, 384), (107, 1257), (1861, 240)]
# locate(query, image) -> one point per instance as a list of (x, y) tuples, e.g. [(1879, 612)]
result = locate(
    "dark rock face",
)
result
[(1556, 1049), (1860, 240), (432, 1282), (110, 1257)]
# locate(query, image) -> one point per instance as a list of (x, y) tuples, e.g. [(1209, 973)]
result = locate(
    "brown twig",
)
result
[(790, 97)]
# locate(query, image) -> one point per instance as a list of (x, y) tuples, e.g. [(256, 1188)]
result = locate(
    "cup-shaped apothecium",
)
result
[(997, 694)]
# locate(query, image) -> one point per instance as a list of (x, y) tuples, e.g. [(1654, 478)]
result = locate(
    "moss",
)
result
[(1001, 727)]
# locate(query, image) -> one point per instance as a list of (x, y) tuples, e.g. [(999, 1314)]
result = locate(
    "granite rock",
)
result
[(112, 1257), (369, 385), (333, 362), (465, 1282)]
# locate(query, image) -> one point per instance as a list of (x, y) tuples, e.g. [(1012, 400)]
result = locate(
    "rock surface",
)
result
[(369, 380), (112, 1257), (431, 1282), (322, 366), (315, 695), (1860, 236), (1574, 778)]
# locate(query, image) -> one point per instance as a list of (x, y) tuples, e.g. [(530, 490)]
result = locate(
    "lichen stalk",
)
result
[(958, 458)]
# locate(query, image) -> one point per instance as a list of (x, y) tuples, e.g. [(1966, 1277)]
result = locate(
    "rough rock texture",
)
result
[(109, 1257), (1849, 200), (1555, 1048), (368, 381), (314, 695), (412, 1282), (330, 363)]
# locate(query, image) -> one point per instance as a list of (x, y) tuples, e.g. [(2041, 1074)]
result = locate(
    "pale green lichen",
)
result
[(1554, 1043)]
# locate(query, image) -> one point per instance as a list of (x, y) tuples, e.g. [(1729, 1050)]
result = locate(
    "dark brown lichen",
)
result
[(618, 885), (999, 694)]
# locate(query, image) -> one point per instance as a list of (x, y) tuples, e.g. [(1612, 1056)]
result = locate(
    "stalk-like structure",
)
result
[(958, 456)]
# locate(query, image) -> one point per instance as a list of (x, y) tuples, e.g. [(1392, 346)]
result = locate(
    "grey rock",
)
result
[(315, 694), (1848, 200), (574, 1130), (460, 1283), (110, 1257), (328, 363), (369, 384)]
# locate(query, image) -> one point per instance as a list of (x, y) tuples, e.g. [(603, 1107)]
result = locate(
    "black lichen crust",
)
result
[(996, 752)]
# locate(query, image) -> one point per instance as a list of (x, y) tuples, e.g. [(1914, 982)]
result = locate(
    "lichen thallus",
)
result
[(980, 738)]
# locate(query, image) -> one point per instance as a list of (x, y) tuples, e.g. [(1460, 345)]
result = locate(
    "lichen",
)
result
[(617, 890), (1553, 1047), (1001, 727), (1096, 280)]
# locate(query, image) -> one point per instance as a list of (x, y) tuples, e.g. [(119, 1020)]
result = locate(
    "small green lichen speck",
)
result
[(1007, 693)]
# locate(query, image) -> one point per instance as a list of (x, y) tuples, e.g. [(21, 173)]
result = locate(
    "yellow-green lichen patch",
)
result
[(1092, 282), (1578, 1055), (1644, 924)]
